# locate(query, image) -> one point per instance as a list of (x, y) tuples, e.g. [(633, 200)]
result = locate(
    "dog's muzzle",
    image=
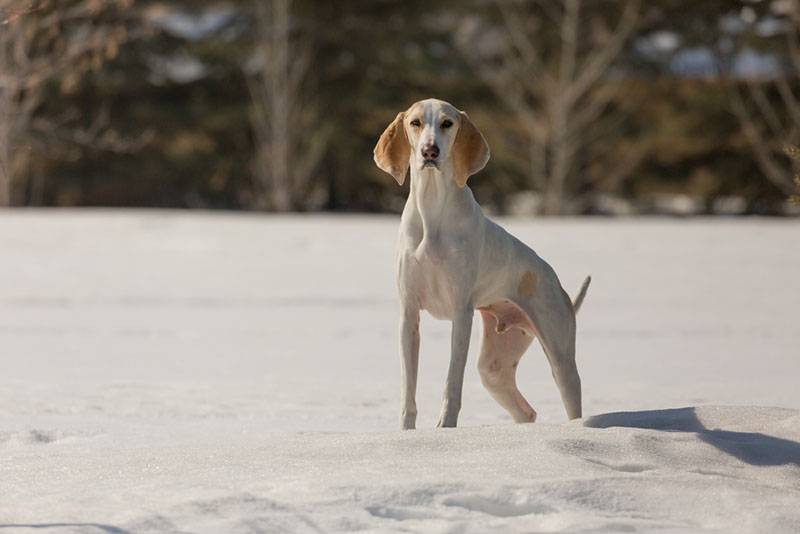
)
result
[(430, 155)]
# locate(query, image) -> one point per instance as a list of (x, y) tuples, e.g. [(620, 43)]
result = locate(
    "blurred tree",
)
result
[(176, 92), (767, 102), (290, 140), (43, 42), (741, 50), (14, 116), (794, 153), (546, 65)]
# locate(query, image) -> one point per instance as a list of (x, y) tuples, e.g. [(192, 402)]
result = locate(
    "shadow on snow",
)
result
[(110, 529), (753, 448)]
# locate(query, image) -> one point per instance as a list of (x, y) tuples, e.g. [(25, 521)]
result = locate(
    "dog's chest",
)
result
[(433, 274)]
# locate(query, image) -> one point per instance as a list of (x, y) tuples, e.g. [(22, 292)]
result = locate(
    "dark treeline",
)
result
[(589, 106)]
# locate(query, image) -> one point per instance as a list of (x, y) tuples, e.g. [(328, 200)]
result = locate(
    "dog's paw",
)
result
[(530, 417), (408, 421), (447, 421)]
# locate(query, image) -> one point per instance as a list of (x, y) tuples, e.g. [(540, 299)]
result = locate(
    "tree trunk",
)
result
[(280, 107), (5, 158), (560, 111), (7, 89)]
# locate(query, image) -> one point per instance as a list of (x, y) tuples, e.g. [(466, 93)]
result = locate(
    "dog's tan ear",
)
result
[(470, 151), (392, 152)]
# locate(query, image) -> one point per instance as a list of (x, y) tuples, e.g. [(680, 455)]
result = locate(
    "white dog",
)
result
[(452, 260)]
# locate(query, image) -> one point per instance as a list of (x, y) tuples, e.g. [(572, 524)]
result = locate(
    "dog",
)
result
[(453, 260)]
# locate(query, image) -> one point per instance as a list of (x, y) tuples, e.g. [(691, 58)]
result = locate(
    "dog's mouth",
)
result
[(430, 163)]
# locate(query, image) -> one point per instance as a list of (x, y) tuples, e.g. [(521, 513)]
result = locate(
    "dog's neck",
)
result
[(437, 197)]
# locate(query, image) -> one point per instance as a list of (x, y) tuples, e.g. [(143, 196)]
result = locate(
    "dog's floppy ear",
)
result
[(392, 152), (470, 151)]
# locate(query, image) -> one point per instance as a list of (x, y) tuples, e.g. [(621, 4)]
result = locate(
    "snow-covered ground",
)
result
[(183, 372)]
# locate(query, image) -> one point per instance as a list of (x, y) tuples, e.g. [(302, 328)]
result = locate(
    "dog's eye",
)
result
[(447, 123), (415, 123)]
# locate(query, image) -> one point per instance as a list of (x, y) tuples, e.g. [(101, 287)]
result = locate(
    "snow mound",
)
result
[(688, 469)]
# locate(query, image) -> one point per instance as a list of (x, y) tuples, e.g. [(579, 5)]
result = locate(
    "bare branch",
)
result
[(598, 63), (532, 63), (793, 36), (765, 107), (790, 101), (593, 109), (761, 150)]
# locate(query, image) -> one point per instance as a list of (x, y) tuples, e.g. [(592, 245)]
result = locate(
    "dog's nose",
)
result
[(430, 152)]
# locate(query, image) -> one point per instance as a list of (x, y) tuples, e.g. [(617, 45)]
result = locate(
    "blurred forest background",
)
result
[(589, 106)]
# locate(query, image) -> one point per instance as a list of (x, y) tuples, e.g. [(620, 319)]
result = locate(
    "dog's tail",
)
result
[(576, 304)]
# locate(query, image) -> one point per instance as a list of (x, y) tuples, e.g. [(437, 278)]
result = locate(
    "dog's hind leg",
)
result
[(554, 325), (565, 373), (503, 345)]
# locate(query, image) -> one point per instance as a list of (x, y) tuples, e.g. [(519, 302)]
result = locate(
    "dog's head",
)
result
[(432, 134)]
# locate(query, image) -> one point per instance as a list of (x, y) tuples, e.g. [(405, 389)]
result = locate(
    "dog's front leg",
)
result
[(409, 353), (462, 326)]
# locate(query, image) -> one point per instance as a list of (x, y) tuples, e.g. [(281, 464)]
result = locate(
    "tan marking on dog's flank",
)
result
[(527, 284)]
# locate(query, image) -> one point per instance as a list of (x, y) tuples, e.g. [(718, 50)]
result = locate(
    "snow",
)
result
[(184, 372)]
